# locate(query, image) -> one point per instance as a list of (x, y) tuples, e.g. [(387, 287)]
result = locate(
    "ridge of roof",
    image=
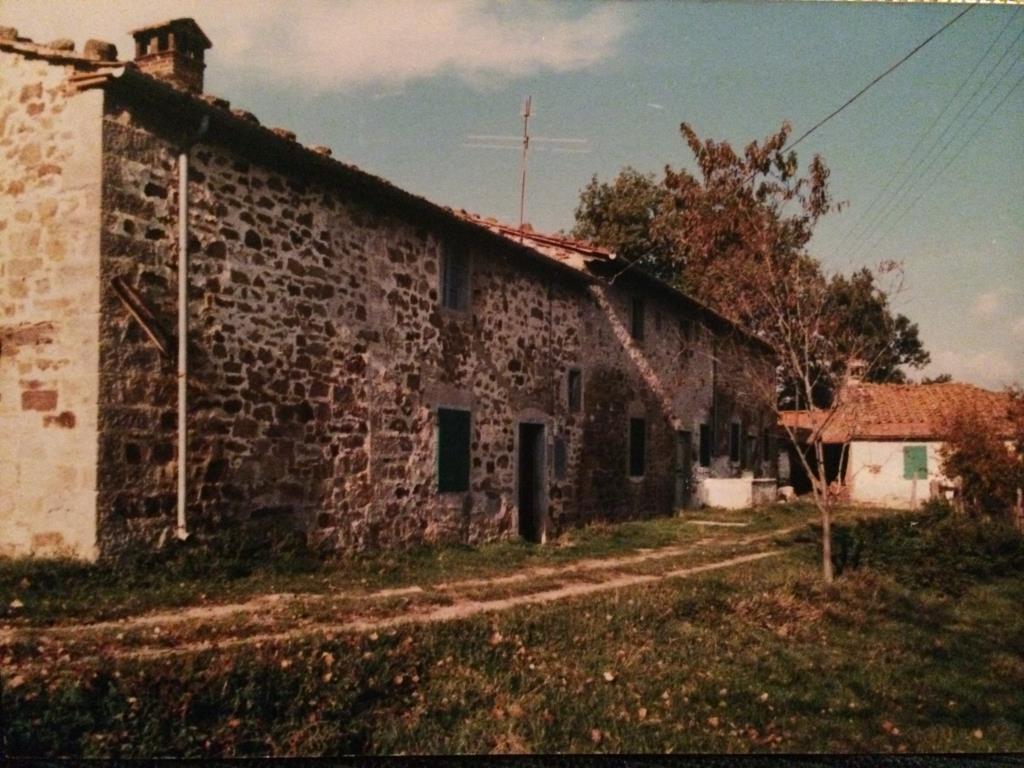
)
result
[(29, 47)]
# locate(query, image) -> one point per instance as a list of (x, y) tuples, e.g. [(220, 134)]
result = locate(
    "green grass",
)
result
[(249, 563), (915, 647)]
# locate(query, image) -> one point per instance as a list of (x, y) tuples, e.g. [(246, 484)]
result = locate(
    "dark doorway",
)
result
[(531, 480), (835, 466), (684, 470)]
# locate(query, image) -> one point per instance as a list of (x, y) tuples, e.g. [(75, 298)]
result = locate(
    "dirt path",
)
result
[(282, 617), (271, 604), (459, 610)]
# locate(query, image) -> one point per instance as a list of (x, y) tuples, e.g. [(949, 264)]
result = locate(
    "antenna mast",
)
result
[(545, 143), (526, 148)]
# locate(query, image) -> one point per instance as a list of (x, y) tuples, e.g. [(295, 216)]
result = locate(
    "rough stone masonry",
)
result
[(322, 350)]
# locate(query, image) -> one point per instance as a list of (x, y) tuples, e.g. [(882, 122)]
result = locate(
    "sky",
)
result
[(930, 161)]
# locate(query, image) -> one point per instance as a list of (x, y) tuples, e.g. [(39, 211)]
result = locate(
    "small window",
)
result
[(574, 387), (750, 459), (915, 462), (636, 328), (766, 444), (561, 458), (453, 437), (455, 278), (734, 443), (637, 447), (705, 445)]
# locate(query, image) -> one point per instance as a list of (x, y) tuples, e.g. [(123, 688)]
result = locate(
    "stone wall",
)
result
[(49, 304), (320, 354)]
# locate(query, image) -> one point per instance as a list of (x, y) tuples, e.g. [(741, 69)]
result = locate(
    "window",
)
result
[(636, 327), (455, 278), (561, 458), (453, 435), (575, 390), (637, 447), (705, 445), (734, 443), (766, 444), (915, 462), (750, 459), (687, 330)]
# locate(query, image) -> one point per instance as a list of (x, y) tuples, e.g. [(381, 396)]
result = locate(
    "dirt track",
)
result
[(286, 616)]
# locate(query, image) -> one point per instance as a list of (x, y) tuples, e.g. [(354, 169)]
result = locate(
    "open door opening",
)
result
[(531, 481), (684, 470)]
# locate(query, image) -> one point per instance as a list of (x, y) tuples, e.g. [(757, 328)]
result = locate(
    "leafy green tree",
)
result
[(618, 215), (740, 219), (887, 340), (942, 378)]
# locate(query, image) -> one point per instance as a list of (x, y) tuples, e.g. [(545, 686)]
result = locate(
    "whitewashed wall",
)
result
[(875, 472)]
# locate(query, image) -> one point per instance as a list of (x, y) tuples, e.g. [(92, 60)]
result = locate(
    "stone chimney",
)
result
[(855, 372), (173, 52)]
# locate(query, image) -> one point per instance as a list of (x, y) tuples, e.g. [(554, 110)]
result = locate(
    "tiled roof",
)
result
[(573, 253), (902, 411)]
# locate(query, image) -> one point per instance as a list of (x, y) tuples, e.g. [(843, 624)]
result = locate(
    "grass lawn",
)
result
[(917, 646), (254, 564)]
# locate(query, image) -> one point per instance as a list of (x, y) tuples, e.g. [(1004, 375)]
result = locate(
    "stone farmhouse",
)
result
[(360, 362), (883, 442)]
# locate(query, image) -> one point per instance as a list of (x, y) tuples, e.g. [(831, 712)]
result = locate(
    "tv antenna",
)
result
[(562, 145)]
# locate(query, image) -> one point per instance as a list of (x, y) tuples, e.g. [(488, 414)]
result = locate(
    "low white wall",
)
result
[(875, 473), (727, 492)]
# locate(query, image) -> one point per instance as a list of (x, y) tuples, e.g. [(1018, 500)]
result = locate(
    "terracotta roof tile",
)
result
[(902, 411)]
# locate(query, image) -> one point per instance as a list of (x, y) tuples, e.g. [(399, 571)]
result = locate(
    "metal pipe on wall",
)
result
[(181, 530)]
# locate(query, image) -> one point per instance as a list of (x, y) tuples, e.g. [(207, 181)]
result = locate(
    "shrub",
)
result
[(990, 462)]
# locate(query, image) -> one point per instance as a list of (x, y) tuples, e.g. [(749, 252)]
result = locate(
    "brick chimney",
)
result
[(173, 52)]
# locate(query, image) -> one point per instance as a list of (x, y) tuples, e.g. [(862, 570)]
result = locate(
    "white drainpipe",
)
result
[(182, 529)]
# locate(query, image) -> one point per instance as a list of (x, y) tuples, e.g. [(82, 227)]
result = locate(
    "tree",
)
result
[(942, 378), (887, 340), (711, 233), (735, 236), (618, 216), (816, 349), (741, 210)]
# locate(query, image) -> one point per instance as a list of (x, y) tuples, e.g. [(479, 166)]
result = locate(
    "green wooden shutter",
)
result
[(453, 439), (915, 462)]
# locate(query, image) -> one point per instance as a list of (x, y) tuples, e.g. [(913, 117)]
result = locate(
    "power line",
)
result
[(864, 90), (928, 188), (928, 159), (887, 72), (865, 217)]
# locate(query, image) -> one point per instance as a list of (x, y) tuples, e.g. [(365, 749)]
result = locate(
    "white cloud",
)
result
[(656, 106), (988, 304), (986, 368), (324, 45)]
